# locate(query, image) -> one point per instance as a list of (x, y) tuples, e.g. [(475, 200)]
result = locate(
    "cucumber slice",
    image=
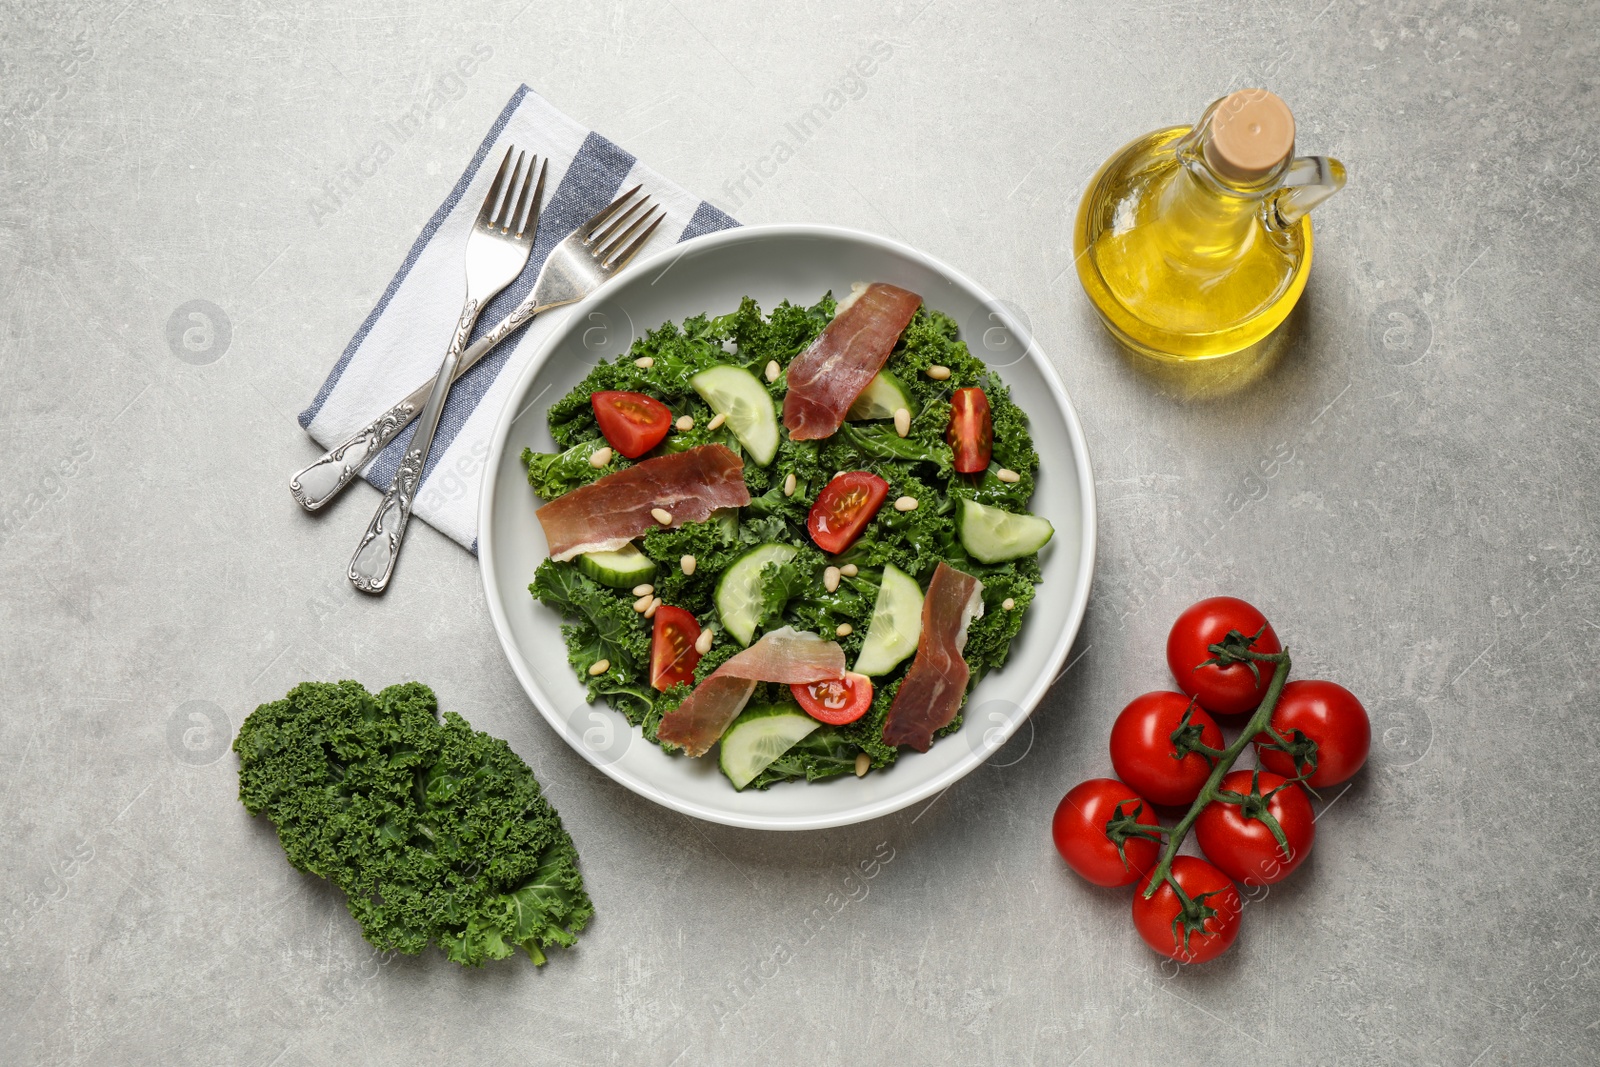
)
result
[(758, 737), (896, 624), (738, 394), (622, 569), (882, 397), (993, 536), (739, 589)]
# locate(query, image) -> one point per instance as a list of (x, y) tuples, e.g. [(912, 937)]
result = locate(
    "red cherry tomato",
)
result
[(1199, 931), (1320, 718), (1242, 844), (1090, 823), (1145, 753), (843, 509), (836, 702), (1226, 689), (673, 656), (632, 422), (971, 432)]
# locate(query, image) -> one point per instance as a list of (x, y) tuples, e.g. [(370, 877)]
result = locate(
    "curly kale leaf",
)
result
[(552, 474), (823, 753), (433, 831), (607, 628)]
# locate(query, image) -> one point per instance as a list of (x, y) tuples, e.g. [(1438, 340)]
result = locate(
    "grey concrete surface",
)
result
[(1426, 536)]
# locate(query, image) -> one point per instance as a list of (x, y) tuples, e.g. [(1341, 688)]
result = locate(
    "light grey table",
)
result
[(1426, 535)]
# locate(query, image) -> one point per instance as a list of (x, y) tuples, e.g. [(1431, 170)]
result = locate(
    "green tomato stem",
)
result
[(1210, 791)]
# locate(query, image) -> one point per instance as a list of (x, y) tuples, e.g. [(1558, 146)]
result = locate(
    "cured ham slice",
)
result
[(931, 693), (826, 378), (605, 515), (787, 656)]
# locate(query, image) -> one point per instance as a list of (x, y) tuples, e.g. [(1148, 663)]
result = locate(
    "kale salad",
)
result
[(923, 507)]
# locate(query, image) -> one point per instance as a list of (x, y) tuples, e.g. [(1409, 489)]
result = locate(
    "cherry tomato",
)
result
[(971, 432), (673, 656), (1241, 843), (836, 702), (843, 509), (1144, 747), (1195, 932), (632, 422), (1098, 831), (1321, 719), (1229, 688)]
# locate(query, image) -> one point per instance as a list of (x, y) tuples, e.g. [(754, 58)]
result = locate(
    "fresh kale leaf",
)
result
[(607, 628), (823, 753), (552, 474)]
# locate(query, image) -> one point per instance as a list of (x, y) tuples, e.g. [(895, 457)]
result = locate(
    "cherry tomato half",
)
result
[(673, 656), (632, 422), (1327, 716), (1144, 752), (1242, 844), (1090, 822), (971, 432), (1222, 689), (1199, 932), (836, 702), (843, 509)]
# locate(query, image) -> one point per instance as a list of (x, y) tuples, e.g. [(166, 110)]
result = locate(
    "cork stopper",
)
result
[(1252, 133)]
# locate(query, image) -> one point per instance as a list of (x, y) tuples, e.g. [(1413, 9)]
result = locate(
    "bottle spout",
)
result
[(1308, 182)]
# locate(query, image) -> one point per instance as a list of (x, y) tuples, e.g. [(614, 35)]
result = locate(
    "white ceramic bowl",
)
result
[(710, 275)]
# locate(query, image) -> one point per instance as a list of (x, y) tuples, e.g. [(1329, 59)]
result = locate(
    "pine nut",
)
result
[(643, 602), (599, 667), (650, 612), (906, 503), (687, 563), (716, 421), (772, 370), (844, 630), (685, 423), (661, 515), (599, 458), (788, 485), (1007, 604), (849, 570), (902, 421), (644, 362), (702, 644), (645, 589), (830, 579), (863, 764), (938, 372), (1006, 474)]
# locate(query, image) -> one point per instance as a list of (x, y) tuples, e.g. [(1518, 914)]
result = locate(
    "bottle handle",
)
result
[(1307, 182)]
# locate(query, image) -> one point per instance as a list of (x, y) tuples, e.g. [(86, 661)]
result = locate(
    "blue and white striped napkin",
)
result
[(402, 341)]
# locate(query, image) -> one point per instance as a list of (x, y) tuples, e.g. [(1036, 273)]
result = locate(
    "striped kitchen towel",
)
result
[(402, 341)]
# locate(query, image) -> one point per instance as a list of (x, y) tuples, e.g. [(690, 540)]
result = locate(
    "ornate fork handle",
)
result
[(373, 564)]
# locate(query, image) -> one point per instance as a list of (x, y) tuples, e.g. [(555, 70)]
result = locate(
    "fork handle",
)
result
[(323, 480), (373, 563)]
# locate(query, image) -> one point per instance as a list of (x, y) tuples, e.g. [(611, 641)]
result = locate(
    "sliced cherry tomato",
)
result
[(1321, 722), (1240, 841), (1144, 747), (673, 656), (1106, 832), (1193, 933), (632, 422), (1227, 688), (843, 509), (836, 702), (971, 432)]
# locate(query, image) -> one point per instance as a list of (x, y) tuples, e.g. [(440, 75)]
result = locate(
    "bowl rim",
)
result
[(885, 806)]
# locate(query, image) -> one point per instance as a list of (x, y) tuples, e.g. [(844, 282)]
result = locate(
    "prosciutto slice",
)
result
[(787, 656), (606, 514), (826, 378), (931, 693)]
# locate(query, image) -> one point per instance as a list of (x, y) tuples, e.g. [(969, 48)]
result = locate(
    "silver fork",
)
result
[(576, 267), (497, 250)]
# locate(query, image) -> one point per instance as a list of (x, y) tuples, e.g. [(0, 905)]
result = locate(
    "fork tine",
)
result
[(517, 217), (530, 221), (606, 212), (613, 260), (617, 223), (514, 188), (486, 213)]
